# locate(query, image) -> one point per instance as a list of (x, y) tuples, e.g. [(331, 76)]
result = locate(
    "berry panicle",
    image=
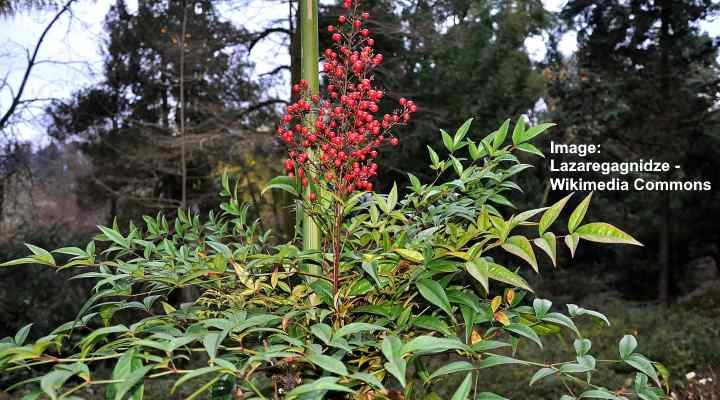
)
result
[(348, 128)]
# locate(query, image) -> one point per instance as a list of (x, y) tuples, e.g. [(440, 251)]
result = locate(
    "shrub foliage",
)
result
[(419, 277)]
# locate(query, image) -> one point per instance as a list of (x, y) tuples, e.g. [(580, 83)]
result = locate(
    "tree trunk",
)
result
[(664, 250), (665, 214)]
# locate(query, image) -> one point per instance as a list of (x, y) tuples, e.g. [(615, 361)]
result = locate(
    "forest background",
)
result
[(187, 90)]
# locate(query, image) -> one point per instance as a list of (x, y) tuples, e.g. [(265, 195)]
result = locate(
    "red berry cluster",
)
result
[(347, 130)]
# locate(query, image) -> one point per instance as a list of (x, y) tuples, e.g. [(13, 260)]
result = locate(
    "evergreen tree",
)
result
[(644, 84), (155, 122)]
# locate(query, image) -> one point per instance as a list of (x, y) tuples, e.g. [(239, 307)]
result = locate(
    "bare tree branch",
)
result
[(31, 63)]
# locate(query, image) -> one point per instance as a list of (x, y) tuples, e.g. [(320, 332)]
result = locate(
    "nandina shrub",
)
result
[(397, 283)]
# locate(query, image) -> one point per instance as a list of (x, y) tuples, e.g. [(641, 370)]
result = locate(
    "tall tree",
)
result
[(644, 84), (175, 98)]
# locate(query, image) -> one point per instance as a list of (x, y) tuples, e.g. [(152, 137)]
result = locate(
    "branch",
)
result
[(276, 70), (267, 32), (31, 64)]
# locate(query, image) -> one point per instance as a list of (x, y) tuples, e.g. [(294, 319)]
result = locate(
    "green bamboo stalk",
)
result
[(309, 61)]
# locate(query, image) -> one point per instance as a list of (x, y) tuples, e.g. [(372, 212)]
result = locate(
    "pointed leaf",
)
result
[(452, 368), (536, 130), (463, 390), (327, 363), (579, 213), (551, 214), (524, 330), (548, 244), (541, 374), (461, 132), (571, 241), (435, 294), (605, 233), (627, 346), (520, 246)]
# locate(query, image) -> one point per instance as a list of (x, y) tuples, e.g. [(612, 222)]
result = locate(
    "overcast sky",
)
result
[(74, 46)]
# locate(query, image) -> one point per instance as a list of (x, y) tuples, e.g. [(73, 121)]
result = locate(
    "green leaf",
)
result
[(548, 244), (571, 241), (502, 274), (323, 384), (536, 130), (463, 390), (370, 268), (452, 368), (20, 261), (478, 269), (520, 246), (211, 342), (487, 345), (43, 256), (574, 310), (114, 236), (461, 132), (642, 364), (356, 327), (524, 330), (517, 135), (22, 335), (582, 346), (396, 365), (284, 183), (495, 360), (392, 197), (627, 345), (541, 307), (447, 141), (323, 289), (433, 157), (501, 133), (432, 345), (605, 233), (412, 255), (194, 374), (529, 148), (435, 294), (369, 379), (327, 363), (123, 368), (560, 319), (323, 332), (433, 323), (130, 380), (599, 394), (475, 153), (53, 381), (579, 213), (541, 374), (551, 214), (87, 342)]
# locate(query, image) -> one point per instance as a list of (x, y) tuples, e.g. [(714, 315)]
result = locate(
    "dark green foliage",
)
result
[(419, 279), (129, 123)]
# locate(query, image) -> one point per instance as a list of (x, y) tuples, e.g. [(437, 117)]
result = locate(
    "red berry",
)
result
[(402, 101), (336, 37), (312, 196), (342, 19), (394, 141), (330, 28), (365, 15)]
